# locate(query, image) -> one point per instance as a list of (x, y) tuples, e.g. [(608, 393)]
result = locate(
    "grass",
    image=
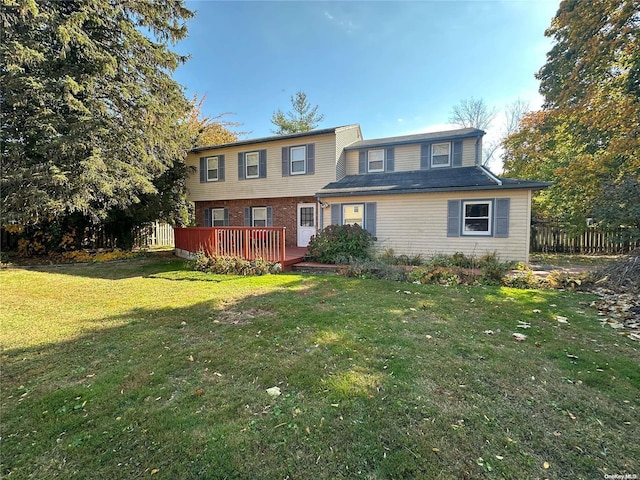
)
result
[(143, 369)]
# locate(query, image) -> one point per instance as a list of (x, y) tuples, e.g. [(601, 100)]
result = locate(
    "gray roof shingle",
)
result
[(418, 138), (421, 181)]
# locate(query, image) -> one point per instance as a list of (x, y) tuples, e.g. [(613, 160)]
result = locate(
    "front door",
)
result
[(306, 223)]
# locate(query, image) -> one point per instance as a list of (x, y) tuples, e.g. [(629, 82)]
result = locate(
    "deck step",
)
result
[(313, 267)]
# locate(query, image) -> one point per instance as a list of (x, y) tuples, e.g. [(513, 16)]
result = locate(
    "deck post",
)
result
[(282, 245)]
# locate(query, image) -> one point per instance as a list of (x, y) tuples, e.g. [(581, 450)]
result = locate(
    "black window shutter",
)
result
[(241, 169), (247, 216), (453, 218), (370, 218), (226, 217), (203, 169), (311, 160), (336, 214), (502, 218), (208, 217), (262, 164), (220, 168), (389, 164), (457, 153), (285, 161), (269, 217), (425, 153), (362, 163)]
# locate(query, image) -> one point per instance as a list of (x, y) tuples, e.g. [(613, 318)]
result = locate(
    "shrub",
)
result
[(523, 279), (334, 241), (374, 269), (203, 262), (389, 257)]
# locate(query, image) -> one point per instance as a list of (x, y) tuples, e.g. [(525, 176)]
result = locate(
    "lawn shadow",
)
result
[(152, 264)]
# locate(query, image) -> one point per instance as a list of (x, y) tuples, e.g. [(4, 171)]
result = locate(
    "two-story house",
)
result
[(425, 193)]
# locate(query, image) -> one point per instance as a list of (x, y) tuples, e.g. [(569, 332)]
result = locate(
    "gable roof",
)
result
[(418, 138), (274, 138), (423, 181)]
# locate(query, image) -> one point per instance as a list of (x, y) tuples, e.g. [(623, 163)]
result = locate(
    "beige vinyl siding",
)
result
[(407, 157), (344, 137), (469, 152), (275, 185), (417, 223)]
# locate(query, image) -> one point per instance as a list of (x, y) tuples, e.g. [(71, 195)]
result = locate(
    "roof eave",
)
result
[(478, 133), (274, 138), (392, 191)]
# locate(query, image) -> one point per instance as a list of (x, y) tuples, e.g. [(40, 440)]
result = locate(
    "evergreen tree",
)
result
[(90, 113), (302, 118)]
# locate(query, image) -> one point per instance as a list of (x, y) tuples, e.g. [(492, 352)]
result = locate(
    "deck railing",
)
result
[(244, 242)]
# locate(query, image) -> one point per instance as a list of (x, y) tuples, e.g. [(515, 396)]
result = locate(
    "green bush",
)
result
[(341, 241), (203, 262)]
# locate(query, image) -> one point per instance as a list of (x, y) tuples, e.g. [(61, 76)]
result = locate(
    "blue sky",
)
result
[(393, 67)]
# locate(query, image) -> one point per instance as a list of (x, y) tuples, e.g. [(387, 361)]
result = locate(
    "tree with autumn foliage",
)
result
[(586, 139)]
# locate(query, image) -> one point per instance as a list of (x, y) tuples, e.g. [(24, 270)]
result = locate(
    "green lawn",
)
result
[(143, 369)]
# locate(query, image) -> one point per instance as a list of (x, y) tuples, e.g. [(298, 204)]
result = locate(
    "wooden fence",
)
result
[(249, 243), (154, 234), (552, 238)]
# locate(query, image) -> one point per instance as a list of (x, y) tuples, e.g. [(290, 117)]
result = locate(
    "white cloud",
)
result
[(343, 23)]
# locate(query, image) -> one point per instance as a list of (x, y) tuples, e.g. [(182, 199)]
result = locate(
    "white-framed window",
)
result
[(212, 169), (375, 158), (476, 218), (259, 216), (252, 164), (353, 214), (298, 159), (217, 217), (440, 155)]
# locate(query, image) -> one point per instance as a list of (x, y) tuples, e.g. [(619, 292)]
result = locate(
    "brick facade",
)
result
[(285, 212)]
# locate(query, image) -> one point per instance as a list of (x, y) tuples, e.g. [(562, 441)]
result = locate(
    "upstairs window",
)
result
[(298, 157), (440, 155), (253, 162), (375, 160), (477, 218), (212, 169)]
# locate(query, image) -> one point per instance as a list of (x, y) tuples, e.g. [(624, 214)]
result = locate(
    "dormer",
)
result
[(425, 151)]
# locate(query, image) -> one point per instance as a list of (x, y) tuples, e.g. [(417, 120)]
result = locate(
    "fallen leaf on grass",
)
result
[(546, 465), (571, 416), (199, 392), (154, 471), (274, 391)]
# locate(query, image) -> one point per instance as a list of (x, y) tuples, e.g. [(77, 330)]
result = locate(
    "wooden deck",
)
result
[(293, 256), (244, 242)]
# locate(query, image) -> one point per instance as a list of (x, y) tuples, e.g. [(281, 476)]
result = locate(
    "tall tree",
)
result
[(89, 112), (472, 113), (204, 130), (302, 118), (586, 138)]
